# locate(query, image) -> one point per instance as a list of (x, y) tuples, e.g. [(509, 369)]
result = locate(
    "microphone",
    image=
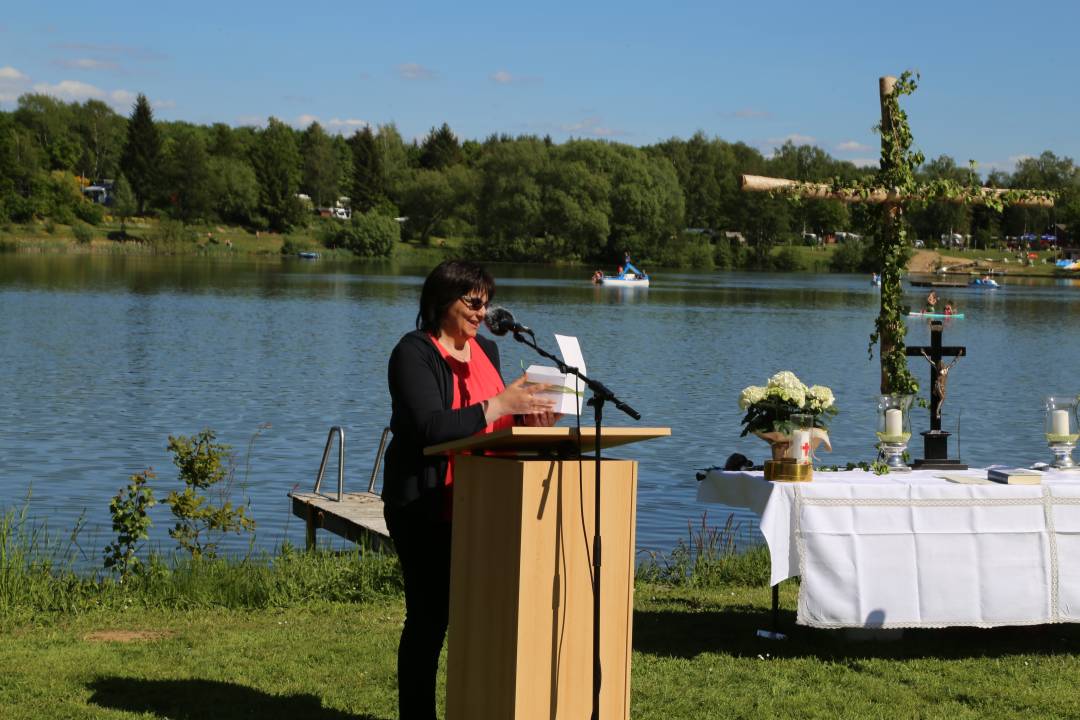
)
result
[(500, 321)]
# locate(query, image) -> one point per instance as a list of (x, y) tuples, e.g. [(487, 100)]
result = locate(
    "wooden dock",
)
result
[(358, 517)]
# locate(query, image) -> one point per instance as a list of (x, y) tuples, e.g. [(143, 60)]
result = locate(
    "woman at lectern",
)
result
[(444, 385)]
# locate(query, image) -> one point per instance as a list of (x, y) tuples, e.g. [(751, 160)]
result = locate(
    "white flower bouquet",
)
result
[(769, 408)]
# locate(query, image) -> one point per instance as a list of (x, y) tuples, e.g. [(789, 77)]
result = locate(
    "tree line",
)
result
[(522, 198)]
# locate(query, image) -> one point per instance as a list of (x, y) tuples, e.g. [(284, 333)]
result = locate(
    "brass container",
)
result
[(788, 470)]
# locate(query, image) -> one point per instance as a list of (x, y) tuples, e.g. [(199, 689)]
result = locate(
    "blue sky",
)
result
[(999, 81)]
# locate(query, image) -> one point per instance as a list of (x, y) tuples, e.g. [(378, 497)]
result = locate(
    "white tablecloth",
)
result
[(916, 550)]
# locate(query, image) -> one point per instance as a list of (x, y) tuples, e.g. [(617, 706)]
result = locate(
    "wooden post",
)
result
[(891, 215), (309, 535)]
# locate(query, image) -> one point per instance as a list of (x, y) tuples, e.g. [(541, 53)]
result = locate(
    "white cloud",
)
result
[(415, 71), (333, 125), (865, 161), (505, 77), (339, 125), (162, 104), (794, 138), (9, 73), (592, 126), (852, 146), (76, 90), (71, 90), (89, 64), (123, 97), (12, 83), (250, 120)]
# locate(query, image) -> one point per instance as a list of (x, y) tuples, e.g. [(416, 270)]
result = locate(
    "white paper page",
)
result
[(570, 350)]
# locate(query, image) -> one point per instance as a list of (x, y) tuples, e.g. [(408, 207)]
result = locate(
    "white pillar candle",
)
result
[(800, 446), (1060, 422), (894, 423)]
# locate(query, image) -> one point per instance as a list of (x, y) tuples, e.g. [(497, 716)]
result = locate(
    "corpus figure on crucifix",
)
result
[(942, 378)]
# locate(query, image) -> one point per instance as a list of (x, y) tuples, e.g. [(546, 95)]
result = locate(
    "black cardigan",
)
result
[(421, 393)]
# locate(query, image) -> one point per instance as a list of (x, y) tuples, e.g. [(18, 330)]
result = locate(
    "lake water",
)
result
[(102, 358)]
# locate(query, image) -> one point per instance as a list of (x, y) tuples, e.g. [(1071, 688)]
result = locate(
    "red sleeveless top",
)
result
[(474, 381)]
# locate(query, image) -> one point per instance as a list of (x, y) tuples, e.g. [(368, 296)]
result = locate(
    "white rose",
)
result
[(821, 396), (751, 395), (785, 379)]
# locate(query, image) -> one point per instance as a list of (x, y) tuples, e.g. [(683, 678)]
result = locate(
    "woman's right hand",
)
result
[(518, 399)]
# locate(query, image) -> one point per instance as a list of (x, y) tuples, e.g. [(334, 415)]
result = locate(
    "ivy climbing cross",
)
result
[(892, 187)]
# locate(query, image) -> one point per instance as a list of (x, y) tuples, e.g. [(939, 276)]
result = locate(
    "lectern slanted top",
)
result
[(548, 440)]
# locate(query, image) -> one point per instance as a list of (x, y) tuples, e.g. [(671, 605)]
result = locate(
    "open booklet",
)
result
[(566, 391)]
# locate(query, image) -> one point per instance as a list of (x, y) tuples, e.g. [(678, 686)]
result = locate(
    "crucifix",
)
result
[(936, 440)]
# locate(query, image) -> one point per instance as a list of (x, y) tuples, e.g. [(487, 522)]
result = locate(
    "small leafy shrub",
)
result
[(786, 260), (848, 257), (204, 464), (19, 208), (292, 246), (170, 233), (63, 215), (366, 235), (83, 233), (131, 523), (49, 226), (90, 212)]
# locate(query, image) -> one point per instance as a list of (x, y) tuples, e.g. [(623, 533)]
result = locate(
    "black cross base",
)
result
[(936, 450), (936, 440)]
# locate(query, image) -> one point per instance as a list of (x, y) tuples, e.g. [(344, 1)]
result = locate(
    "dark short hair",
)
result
[(445, 285)]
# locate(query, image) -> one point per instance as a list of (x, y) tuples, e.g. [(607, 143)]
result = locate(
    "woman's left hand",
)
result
[(542, 419)]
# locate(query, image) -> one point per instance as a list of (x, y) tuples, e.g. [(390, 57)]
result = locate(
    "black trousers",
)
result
[(422, 541)]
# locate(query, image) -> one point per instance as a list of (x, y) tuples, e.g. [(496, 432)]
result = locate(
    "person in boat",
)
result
[(445, 385), (948, 308), (598, 276), (628, 267), (931, 301), (875, 278)]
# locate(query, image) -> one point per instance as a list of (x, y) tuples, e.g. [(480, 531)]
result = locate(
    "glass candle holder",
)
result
[(1061, 430), (894, 429), (802, 428)]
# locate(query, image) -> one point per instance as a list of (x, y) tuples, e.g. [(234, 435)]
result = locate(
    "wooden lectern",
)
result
[(521, 604)]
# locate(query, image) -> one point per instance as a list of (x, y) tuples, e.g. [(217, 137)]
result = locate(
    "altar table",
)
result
[(915, 549)]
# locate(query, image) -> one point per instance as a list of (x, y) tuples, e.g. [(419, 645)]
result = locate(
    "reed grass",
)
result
[(45, 573), (40, 573), (714, 556)]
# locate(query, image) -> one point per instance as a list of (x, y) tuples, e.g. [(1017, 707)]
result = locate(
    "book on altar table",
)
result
[(1014, 476), (567, 392)]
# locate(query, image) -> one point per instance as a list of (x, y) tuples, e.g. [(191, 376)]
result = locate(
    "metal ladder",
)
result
[(340, 433)]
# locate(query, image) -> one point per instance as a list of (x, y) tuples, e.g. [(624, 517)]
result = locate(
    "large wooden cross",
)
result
[(893, 203)]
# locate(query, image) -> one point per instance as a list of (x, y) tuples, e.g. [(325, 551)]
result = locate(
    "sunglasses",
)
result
[(474, 303)]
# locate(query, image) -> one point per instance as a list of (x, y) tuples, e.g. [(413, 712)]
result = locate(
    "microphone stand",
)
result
[(600, 395)]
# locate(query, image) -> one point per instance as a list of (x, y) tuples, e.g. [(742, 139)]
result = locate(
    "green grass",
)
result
[(314, 636), (695, 655)]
